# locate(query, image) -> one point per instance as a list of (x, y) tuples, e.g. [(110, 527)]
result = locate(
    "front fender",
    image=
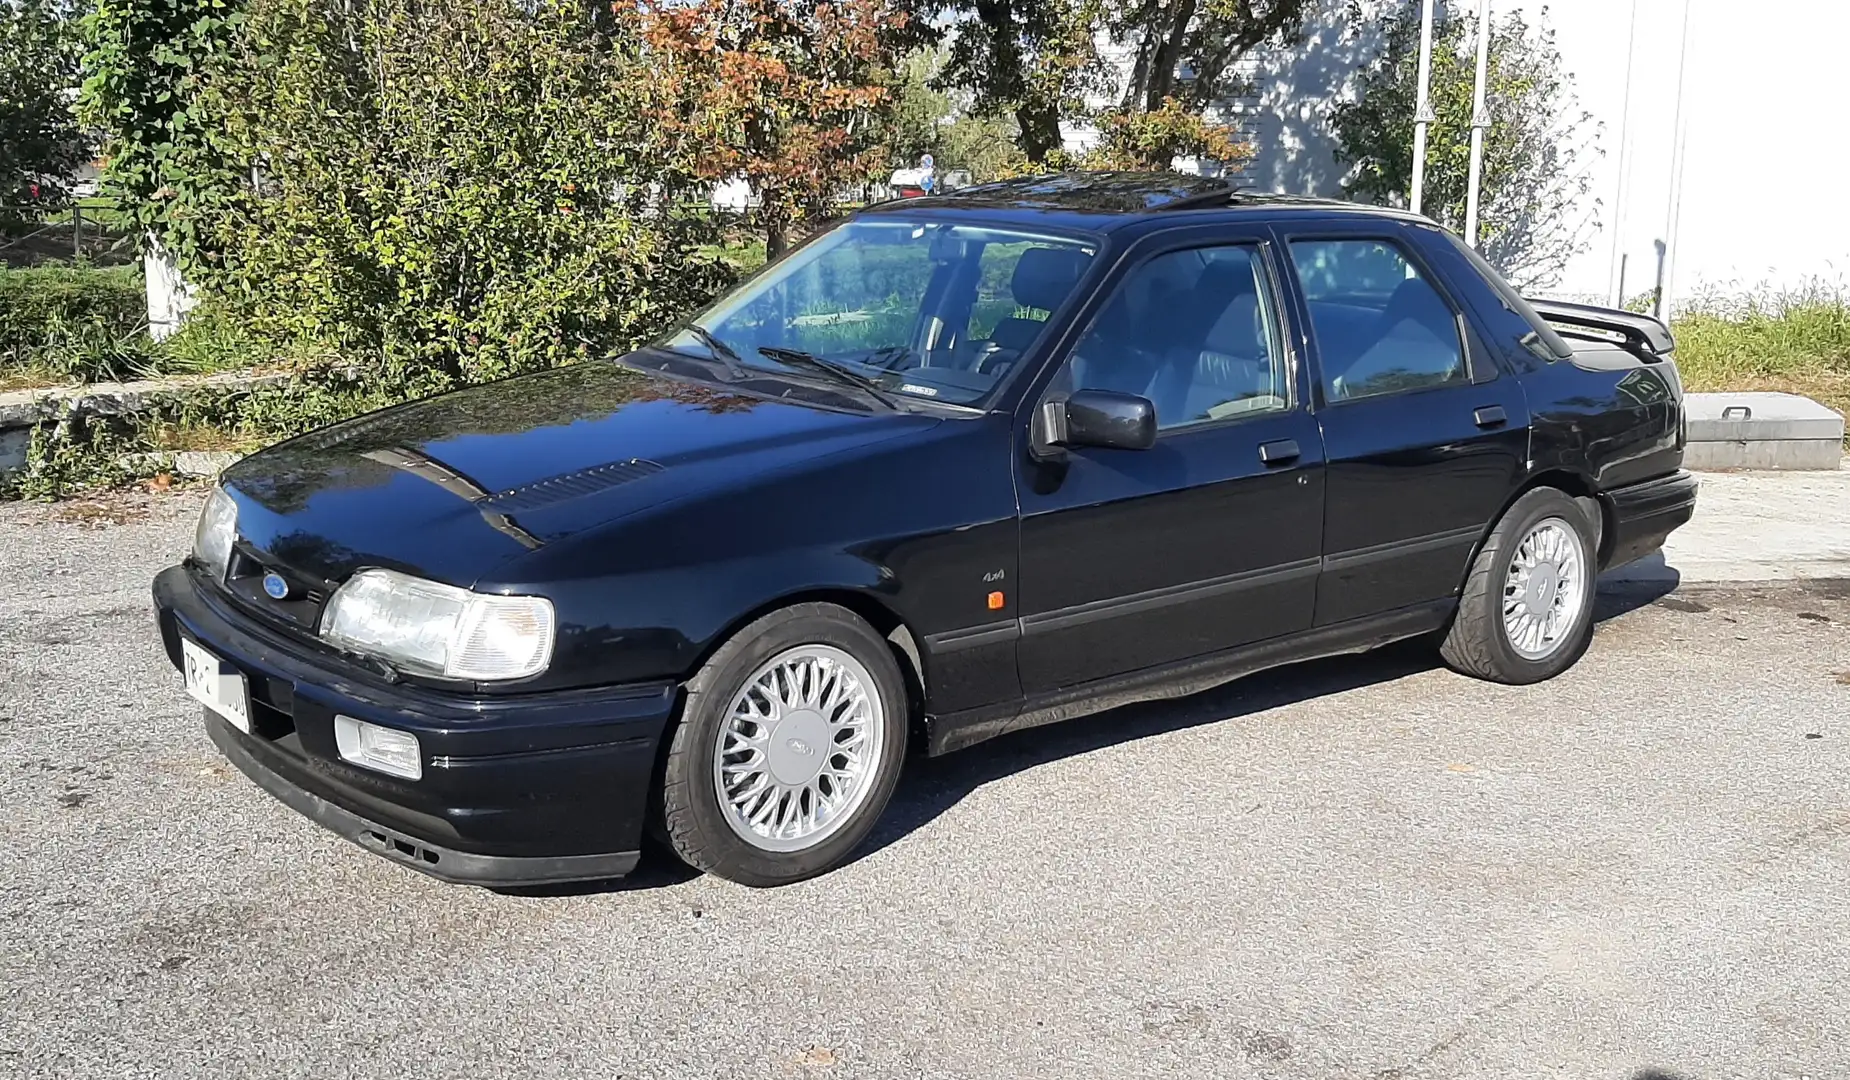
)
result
[(651, 596)]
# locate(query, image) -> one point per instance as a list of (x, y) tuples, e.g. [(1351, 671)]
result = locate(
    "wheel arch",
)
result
[(1575, 485), (886, 622)]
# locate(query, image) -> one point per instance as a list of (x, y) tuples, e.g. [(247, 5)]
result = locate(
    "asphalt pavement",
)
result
[(1366, 868)]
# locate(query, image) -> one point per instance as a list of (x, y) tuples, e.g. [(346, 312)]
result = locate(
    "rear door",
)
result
[(1425, 435), (1136, 558)]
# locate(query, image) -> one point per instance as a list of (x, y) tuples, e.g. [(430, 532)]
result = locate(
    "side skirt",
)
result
[(955, 731)]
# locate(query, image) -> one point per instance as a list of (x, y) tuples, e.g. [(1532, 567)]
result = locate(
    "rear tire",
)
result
[(1526, 611), (789, 747)]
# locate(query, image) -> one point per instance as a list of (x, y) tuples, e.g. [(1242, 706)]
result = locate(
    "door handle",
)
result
[(1490, 416), (1278, 451)]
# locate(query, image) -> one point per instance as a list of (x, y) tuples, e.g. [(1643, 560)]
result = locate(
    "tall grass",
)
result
[(79, 324), (1797, 341)]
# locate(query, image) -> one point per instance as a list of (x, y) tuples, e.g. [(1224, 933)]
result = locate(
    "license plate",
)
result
[(218, 686)]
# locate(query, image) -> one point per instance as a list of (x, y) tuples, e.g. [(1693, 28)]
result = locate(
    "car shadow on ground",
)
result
[(931, 786)]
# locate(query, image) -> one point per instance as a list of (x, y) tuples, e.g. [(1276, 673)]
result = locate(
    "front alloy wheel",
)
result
[(788, 749), (799, 748)]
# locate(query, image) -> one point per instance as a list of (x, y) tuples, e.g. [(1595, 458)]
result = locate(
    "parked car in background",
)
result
[(926, 180), (958, 466)]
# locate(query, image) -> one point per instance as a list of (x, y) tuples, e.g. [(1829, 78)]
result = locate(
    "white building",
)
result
[(1760, 210)]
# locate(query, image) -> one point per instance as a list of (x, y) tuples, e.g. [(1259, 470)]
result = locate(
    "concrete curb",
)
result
[(192, 464), (20, 408), (23, 411)]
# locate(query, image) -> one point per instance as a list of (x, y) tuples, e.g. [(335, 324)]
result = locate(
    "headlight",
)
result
[(218, 527), (440, 629)]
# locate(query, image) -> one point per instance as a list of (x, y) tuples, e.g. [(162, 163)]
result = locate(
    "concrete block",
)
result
[(23, 408), (13, 446), (1759, 417), (1761, 430), (1770, 454), (23, 411)]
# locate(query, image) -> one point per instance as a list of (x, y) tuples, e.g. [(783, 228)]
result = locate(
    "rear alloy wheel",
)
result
[(1526, 612), (1544, 589), (789, 748)]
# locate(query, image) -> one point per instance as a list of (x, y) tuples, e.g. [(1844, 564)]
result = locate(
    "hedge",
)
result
[(80, 323)]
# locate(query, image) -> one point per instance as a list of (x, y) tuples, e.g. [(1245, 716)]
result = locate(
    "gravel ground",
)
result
[(1369, 868)]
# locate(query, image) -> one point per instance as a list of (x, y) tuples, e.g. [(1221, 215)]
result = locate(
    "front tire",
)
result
[(789, 747), (1526, 612)]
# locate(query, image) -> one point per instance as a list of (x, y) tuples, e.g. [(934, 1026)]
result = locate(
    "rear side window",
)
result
[(1380, 325)]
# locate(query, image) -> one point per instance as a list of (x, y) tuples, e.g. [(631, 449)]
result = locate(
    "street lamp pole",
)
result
[(1423, 115), (1675, 212), (1615, 277), (1480, 120)]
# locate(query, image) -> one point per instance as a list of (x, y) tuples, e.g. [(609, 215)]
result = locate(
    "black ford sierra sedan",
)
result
[(954, 467)]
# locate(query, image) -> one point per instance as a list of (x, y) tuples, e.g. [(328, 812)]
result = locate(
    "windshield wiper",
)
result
[(724, 353), (799, 358)]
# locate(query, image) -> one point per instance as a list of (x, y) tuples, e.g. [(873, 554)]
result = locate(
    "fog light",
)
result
[(380, 748)]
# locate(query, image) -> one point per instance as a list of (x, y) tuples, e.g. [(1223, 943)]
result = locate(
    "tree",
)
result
[(1034, 59), (1039, 59), (928, 119), (1534, 214), (509, 209), (1185, 50), (40, 141), (168, 163), (1146, 140), (787, 94)]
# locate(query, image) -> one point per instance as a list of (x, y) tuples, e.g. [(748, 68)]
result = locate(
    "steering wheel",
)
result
[(993, 355)]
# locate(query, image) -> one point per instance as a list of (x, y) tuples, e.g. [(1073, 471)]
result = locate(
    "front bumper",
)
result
[(518, 789), (1644, 515)]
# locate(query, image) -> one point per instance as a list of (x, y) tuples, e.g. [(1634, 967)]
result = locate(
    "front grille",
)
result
[(300, 611)]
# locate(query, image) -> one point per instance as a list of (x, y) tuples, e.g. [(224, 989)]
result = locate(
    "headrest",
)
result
[(1044, 276), (1416, 300)]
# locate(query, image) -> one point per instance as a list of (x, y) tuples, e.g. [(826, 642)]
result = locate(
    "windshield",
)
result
[(902, 309)]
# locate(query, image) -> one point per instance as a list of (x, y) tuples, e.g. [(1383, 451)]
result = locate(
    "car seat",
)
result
[(1222, 354), (1416, 334), (1042, 279)]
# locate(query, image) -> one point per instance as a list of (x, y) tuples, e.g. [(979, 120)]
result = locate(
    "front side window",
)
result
[(924, 309), (1194, 331), (1381, 327)]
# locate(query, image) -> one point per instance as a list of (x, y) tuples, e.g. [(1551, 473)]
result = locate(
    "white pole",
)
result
[(1422, 115), (1480, 119), (1615, 277), (1676, 175)]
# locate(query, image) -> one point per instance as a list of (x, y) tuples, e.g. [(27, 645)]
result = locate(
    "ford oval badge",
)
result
[(275, 587)]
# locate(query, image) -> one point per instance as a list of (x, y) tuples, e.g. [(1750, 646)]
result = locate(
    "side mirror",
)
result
[(1103, 418)]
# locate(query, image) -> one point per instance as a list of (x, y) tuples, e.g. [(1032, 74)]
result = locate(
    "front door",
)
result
[(1131, 559), (1425, 437)]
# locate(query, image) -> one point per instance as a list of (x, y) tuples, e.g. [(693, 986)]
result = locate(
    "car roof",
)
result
[(1103, 201)]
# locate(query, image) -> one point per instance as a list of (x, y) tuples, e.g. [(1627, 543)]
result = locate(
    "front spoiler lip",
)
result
[(523, 789), (445, 864)]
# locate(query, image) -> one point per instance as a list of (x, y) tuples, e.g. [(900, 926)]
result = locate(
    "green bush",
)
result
[(1796, 341), (83, 324), (76, 324), (443, 223)]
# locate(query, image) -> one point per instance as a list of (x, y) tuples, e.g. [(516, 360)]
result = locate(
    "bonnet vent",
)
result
[(558, 489)]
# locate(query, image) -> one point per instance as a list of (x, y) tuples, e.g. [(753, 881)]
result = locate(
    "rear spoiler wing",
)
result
[(1641, 333)]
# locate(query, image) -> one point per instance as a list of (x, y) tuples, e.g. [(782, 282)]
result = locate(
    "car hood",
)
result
[(451, 487)]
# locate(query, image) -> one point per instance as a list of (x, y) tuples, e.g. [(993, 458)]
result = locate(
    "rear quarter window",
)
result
[(1512, 319)]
